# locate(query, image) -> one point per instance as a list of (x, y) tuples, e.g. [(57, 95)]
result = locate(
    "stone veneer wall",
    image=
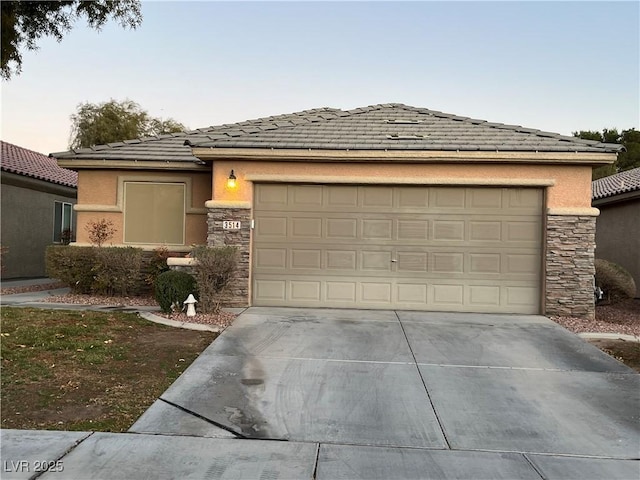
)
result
[(238, 293), (570, 266)]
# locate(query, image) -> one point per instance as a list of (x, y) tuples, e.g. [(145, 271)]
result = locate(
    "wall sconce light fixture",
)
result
[(231, 181)]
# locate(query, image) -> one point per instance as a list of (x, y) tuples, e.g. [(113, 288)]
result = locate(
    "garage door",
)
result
[(397, 247)]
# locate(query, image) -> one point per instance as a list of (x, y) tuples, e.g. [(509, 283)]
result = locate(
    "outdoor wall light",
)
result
[(231, 181)]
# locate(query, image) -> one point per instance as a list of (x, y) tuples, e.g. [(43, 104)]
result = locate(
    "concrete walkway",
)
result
[(347, 394)]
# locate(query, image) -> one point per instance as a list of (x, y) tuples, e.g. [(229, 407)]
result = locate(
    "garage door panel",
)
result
[(271, 228), (448, 230), (342, 228), (341, 259), (412, 198), (449, 198), (307, 228), (270, 258), (272, 196), (378, 229), (378, 261), (412, 262), (438, 248), (305, 291), (485, 231), (448, 262), (306, 259), (485, 198), (270, 289), (412, 230), (485, 295), (376, 197), (412, 294), (341, 196), (484, 263), (344, 292), (375, 292), (306, 196)]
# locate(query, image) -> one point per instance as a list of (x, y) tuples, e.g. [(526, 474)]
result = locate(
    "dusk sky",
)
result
[(555, 66)]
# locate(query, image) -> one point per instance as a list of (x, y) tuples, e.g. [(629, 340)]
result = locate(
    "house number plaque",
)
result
[(231, 225)]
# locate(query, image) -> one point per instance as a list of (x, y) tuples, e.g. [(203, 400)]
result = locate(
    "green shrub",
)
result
[(117, 271), (72, 265), (616, 282), (172, 289), (214, 270)]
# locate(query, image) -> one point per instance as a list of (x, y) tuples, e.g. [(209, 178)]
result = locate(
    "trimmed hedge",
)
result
[(172, 289), (97, 270), (71, 265)]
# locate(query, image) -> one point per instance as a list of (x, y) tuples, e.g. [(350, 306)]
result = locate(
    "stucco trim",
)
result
[(227, 204), (309, 155), (575, 211), (88, 207), (354, 179)]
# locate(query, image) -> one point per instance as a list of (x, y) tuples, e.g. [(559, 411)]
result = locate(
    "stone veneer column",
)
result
[(570, 265), (217, 236)]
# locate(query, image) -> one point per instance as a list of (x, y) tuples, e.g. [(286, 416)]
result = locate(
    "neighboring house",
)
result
[(387, 206), (37, 207), (618, 225)]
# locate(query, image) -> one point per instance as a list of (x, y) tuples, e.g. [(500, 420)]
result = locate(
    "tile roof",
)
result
[(26, 162), (623, 182), (378, 127), (172, 147)]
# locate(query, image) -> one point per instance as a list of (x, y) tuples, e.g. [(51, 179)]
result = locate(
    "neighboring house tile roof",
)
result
[(378, 127), (623, 182), (26, 162)]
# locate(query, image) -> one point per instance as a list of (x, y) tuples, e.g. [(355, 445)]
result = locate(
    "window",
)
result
[(154, 213), (62, 222)]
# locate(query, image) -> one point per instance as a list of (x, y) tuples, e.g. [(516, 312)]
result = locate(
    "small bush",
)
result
[(172, 288), (155, 264), (72, 265), (100, 231), (617, 283), (117, 271), (214, 270)]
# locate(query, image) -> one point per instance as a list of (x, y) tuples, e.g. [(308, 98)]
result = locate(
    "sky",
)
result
[(554, 66)]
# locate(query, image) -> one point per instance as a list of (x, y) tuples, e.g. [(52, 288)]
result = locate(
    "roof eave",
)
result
[(409, 156), (616, 198), (131, 165)]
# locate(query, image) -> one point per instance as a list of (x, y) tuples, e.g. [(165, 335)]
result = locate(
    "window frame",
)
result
[(59, 229), (184, 187)]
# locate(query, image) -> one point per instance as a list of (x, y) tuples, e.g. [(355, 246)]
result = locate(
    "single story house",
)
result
[(387, 206), (37, 209), (618, 225)]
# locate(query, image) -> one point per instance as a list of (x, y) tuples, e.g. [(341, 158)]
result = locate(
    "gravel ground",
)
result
[(621, 318), (31, 288), (222, 319)]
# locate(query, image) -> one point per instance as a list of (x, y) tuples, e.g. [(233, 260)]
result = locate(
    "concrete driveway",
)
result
[(410, 389), (346, 394)]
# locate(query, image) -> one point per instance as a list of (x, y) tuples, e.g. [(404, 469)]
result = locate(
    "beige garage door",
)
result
[(398, 247)]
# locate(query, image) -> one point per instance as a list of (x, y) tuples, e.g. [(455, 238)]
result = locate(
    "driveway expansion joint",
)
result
[(424, 384)]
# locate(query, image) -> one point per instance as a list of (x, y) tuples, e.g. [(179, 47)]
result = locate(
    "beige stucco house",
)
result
[(387, 206)]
